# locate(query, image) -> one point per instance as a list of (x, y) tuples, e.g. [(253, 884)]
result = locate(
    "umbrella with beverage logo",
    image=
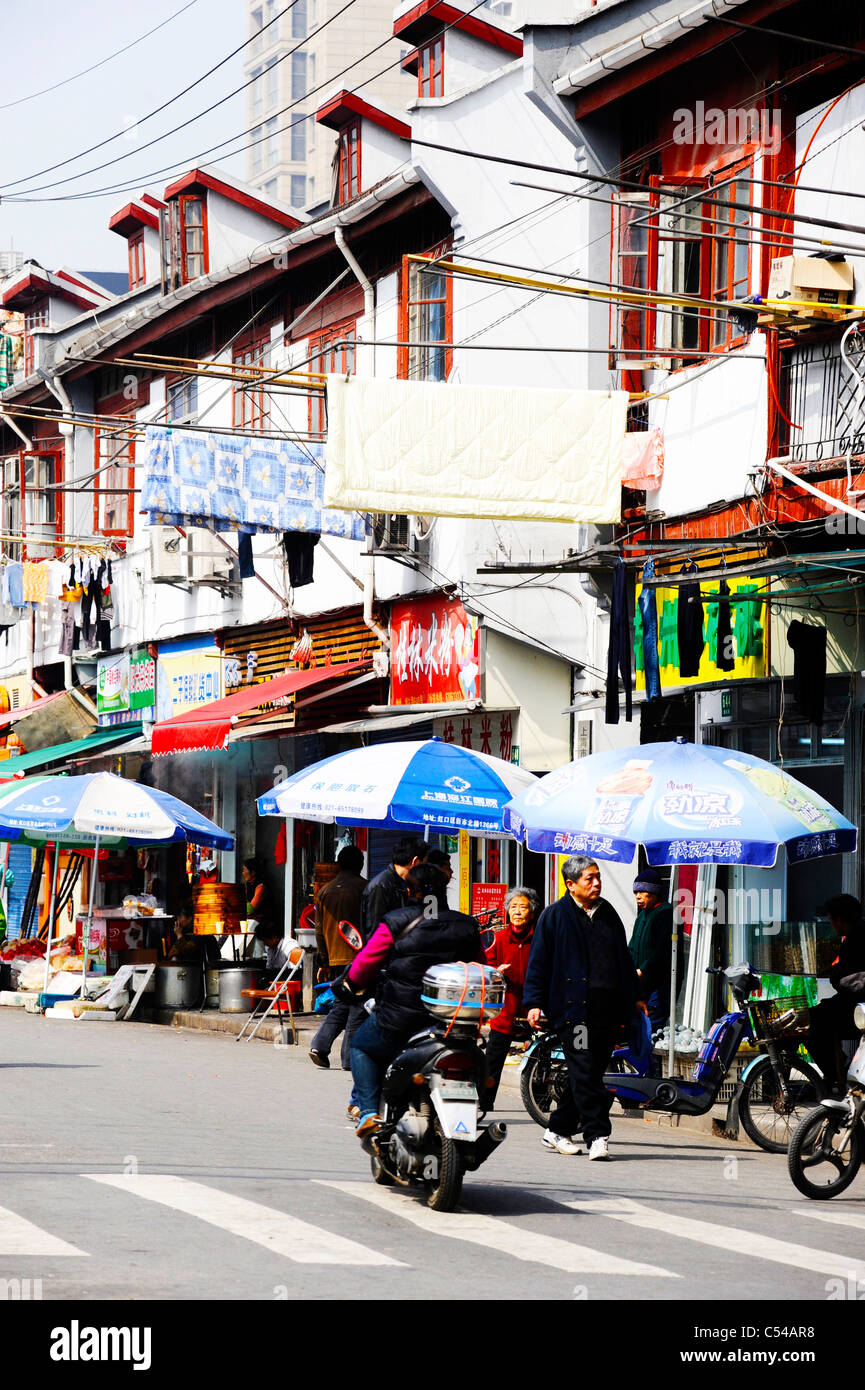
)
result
[(685, 803)]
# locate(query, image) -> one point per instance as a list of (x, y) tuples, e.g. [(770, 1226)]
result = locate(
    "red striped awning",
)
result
[(207, 727)]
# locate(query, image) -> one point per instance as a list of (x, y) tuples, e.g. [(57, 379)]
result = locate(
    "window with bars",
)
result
[(193, 237), (330, 351), (113, 497), (348, 156), (137, 275), (250, 404), (41, 474), (431, 69), (426, 319)]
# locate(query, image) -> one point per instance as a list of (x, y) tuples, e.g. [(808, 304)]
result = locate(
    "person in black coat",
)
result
[(831, 1021), (387, 890), (398, 954), (582, 977)]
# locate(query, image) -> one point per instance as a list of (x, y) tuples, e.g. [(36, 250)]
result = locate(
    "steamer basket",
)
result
[(446, 993)]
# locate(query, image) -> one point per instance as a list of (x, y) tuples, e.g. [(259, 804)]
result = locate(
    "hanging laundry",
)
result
[(34, 581), (67, 632), (809, 668), (619, 655), (648, 610), (474, 451), (13, 584), (725, 651), (235, 483), (643, 459), (749, 629), (299, 547), (244, 555), (689, 625)]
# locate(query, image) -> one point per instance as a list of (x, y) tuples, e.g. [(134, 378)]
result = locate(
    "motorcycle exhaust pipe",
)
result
[(489, 1140)]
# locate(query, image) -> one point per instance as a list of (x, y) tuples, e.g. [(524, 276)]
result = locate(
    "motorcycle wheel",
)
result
[(816, 1168), (542, 1085), (444, 1191), (380, 1173), (766, 1117)]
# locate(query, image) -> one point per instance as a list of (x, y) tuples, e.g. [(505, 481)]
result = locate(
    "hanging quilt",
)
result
[(237, 483)]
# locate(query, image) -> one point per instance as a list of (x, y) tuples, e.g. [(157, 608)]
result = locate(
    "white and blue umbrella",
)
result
[(100, 806), (685, 803), (98, 809), (429, 783)]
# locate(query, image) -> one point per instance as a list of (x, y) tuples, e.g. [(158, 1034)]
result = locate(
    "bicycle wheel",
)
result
[(769, 1117), (815, 1163), (543, 1085)]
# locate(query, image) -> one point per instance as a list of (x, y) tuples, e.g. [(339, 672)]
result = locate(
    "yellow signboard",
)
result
[(465, 872), (735, 641)]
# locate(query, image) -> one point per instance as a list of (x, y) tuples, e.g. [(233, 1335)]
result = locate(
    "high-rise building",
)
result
[(298, 61), (10, 261)]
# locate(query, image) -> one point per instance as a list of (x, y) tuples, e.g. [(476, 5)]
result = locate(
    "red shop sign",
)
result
[(436, 653)]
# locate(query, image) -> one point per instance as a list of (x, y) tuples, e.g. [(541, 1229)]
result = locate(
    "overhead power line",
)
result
[(55, 87), (109, 139), (794, 38)]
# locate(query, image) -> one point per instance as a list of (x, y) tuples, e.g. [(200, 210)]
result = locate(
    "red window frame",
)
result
[(28, 526), (348, 177), (431, 68), (136, 260), (37, 316), (639, 330), (248, 408), (123, 460), (188, 230), (332, 350), (409, 302)]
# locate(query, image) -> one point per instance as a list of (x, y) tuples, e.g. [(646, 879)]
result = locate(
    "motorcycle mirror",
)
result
[(859, 1017), (350, 935)]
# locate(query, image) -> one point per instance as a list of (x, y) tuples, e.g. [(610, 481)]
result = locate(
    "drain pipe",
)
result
[(368, 558), (365, 284), (67, 430)]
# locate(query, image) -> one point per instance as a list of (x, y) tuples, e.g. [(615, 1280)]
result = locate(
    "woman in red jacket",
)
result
[(509, 953)]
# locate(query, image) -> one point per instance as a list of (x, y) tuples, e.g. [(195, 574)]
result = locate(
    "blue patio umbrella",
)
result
[(439, 786), (98, 809), (685, 803)]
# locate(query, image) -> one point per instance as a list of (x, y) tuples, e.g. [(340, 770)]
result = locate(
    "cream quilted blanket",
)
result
[(474, 451)]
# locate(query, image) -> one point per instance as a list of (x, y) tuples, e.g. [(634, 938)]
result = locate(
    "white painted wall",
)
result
[(380, 153), (234, 230)]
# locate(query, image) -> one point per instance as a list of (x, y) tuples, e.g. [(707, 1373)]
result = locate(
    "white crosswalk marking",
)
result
[(495, 1234), (20, 1237), (751, 1243), (275, 1230), (837, 1216)]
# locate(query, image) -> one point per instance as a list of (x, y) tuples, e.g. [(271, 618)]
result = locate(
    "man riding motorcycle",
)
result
[(400, 951)]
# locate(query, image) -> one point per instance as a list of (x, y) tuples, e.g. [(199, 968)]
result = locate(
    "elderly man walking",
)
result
[(582, 977)]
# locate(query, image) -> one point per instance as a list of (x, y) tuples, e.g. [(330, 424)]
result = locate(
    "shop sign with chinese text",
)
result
[(436, 653), (190, 674), (125, 683), (493, 732)]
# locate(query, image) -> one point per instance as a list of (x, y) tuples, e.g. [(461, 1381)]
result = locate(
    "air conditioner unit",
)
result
[(168, 555), (209, 561), (391, 532)]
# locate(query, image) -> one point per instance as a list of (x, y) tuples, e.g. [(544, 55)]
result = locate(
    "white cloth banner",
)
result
[(474, 451)]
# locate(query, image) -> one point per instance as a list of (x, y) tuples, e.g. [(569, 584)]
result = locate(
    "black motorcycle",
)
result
[(433, 1092)]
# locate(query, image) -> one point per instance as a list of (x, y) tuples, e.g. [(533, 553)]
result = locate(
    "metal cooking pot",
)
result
[(211, 997), (178, 986), (232, 980)]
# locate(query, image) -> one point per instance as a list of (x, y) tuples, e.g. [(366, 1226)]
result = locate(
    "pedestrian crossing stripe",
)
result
[(20, 1237)]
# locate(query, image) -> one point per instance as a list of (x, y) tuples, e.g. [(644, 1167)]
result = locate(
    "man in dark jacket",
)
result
[(831, 1021), (387, 890), (338, 901), (402, 949), (582, 977), (651, 946)]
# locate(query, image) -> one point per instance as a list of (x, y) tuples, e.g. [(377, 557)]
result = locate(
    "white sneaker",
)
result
[(599, 1148), (559, 1143)]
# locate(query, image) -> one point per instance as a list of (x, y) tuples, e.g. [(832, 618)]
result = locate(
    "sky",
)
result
[(47, 42)]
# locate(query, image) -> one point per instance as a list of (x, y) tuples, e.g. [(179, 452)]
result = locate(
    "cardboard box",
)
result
[(810, 280)]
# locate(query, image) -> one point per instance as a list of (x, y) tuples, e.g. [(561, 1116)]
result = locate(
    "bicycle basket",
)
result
[(783, 1018)]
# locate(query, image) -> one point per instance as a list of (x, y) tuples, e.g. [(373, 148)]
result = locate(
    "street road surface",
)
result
[(139, 1161)]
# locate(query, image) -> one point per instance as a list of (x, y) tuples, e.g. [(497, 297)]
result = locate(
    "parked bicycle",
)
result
[(775, 1091)]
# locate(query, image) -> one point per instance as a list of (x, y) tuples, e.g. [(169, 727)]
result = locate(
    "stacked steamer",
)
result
[(219, 909)]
